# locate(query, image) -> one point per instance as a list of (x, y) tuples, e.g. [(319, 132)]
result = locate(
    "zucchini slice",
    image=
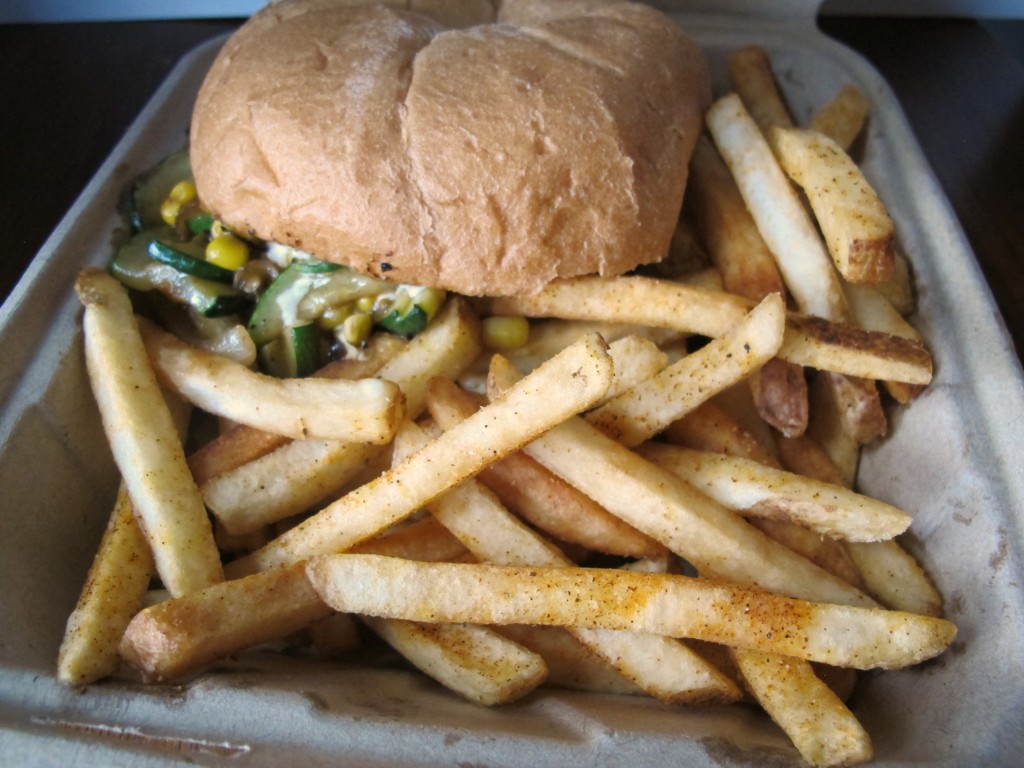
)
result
[(134, 267), (277, 308), (175, 257), (294, 353), (151, 189), (407, 323)]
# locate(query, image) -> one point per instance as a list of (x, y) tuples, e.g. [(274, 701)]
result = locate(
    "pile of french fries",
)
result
[(614, 507)]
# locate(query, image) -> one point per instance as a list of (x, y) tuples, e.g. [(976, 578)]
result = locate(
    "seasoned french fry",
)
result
[(760, 491), (751, 76), (853, 219), (367, 410), (899, 288), (825, 734), (566, 384), (422, 539), (266, 490), (299, 475), (636, 360), (655, 603), (893, 577), (660, 666), (726, 228), (709, 428), (809, 341), (113, 593), (779, 213), (175, 637), (645, 410), (887, 571), (544, 500), (570, 664), (243, 444), (720, 433), (842, 118), (144, 439), (715, 540), (169, 639), (805, 456), (748, 269), (832, 428), (476, 662), (873, 311)]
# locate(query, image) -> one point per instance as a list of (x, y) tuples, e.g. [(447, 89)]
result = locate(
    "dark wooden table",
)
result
[(69, 91)]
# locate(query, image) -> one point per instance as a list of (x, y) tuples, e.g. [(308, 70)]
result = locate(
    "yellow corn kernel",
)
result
[(227, 251), (365, 304), (184, 191), (169, 210), (332, 317), (505, 332), (356, 328)]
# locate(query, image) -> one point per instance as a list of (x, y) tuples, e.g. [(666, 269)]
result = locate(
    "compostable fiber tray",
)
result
[(952, 460)]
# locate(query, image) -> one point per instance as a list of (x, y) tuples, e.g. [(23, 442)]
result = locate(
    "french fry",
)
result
[(654, 603), (720, 433), (857, 404), (421, 539), (173, 638), (809, 341), (545, 501), (827, 553), (826, 734), (842, 117), (660, 666), (832, 428), (780, 215), (243, 444), (725, 226), (266, 490), (636, 359), (780, 394), (144, 439), (709, 428), (570, 664), (894, 577), (113, 593), (715, 540), (367, 410), (756, 490), (873, 311), (751, 76), (899, 289), (566, 384), (887, 571), (168, 640), (299, 475), (805, 456), (476, 662), (334, 635), (646, 409), (748, 269), (853, 220)]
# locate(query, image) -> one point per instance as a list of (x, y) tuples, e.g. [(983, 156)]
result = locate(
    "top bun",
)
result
[(436, 143)]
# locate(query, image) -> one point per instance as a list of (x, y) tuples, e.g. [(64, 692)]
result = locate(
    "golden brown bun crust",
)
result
[(450, 149)]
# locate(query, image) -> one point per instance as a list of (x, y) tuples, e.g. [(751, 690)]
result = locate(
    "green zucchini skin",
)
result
[(190, 265), (136, 268)]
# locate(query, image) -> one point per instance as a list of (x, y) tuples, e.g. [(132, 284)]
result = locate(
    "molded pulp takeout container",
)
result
[(953, 460)]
